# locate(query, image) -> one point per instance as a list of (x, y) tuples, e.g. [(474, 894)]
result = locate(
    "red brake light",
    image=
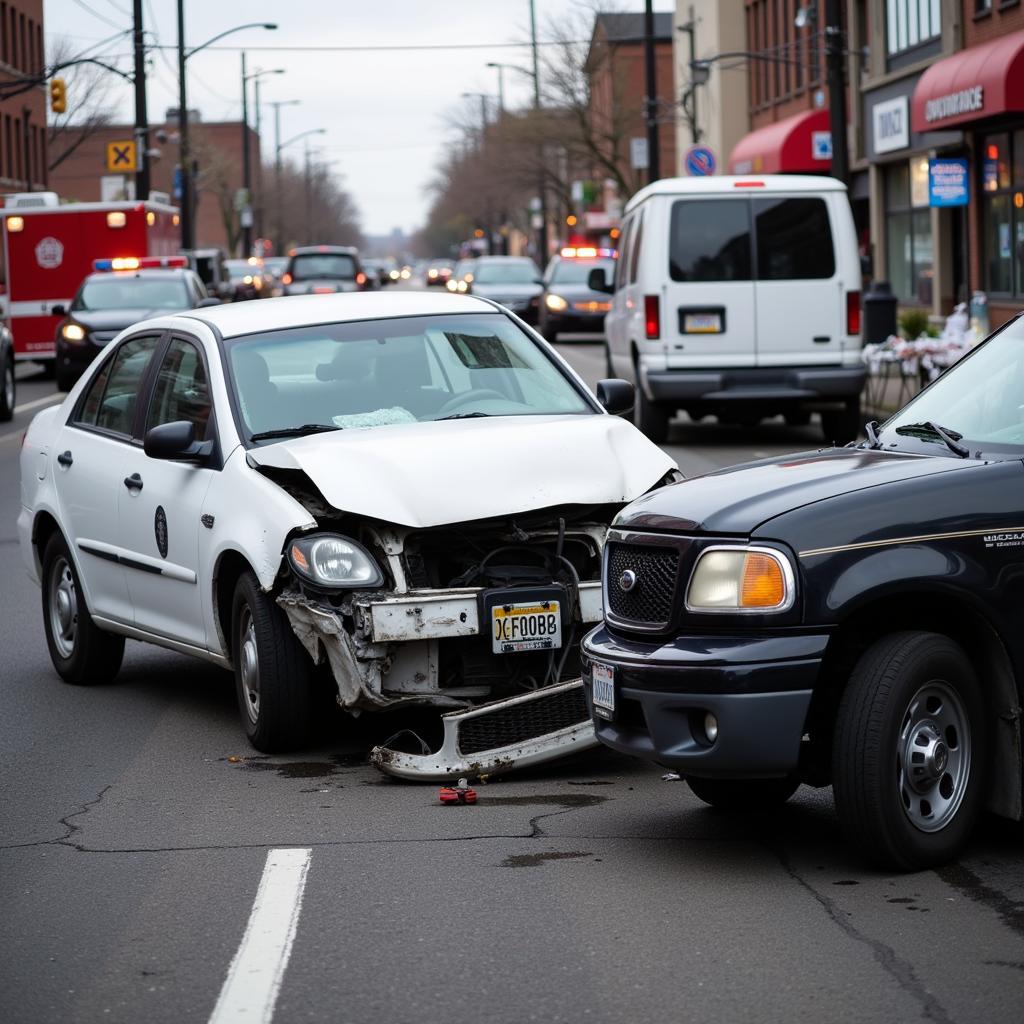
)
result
[(748, 184), (652, 317), (360, 279), (853, 312), (286, 279)]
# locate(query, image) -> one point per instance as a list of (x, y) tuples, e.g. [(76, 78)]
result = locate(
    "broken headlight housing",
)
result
[(330, 560)]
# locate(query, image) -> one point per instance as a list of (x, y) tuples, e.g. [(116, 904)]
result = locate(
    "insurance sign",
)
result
[(948, 182)]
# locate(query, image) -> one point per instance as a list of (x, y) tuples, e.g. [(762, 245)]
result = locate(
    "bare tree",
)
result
[(88, 87)]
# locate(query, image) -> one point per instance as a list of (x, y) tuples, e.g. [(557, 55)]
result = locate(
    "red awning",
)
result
[(795, 144), (976, 83)]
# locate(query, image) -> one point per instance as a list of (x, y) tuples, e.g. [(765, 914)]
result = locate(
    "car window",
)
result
[(578, 271), (794, 239), (622, 264), (181, 391), (112, 395), (634, 263), (709, 240), (308, 266), (506, 273)]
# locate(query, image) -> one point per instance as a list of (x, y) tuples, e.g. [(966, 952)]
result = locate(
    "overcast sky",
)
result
[(383, 109)]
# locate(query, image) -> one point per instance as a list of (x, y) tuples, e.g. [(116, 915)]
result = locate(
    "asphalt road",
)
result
[(136, 826)]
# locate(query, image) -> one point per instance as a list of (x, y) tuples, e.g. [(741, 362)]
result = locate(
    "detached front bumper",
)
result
[(758, 689)]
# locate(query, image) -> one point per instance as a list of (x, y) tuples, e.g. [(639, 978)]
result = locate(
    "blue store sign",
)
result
[(700, 161), (948, 182)]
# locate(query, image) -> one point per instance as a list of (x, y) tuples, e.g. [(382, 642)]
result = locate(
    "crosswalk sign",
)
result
[(121, 157)]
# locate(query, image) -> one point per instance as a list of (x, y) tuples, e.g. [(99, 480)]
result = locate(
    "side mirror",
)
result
[(210, 300), (617, 396), (597, 280), (176, 441), (59, 310)]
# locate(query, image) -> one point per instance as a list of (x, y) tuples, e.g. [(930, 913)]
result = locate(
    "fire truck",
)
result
[(49, 250)]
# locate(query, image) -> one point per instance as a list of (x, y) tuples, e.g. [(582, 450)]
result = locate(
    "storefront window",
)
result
[(1002, 192), (909, 232)]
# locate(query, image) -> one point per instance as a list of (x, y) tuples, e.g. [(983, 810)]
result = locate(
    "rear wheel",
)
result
[(841, 426), (743, 794), (908, 759), (651, 418), (81, 652), (273, 677), (7, 390)]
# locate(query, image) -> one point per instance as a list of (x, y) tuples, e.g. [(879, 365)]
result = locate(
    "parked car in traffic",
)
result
[(514, 281), (461, 276), (437, 272), (121, 293), (568, 302), (322, 270), (248, 279), (846, 617), (739, 297), (405, 495)]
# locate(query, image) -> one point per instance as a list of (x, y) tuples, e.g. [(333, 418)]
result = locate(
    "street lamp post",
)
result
[(247, 214), (277, 163), (277, 105), (185, 152)]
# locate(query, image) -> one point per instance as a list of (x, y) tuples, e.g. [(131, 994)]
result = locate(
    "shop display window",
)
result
[(1002, 203), (909, 247)]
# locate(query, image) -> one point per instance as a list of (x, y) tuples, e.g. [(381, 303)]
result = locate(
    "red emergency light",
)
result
[(140, 263)]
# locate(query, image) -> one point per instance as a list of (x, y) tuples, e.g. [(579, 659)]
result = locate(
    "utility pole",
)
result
[(542, 235), (834, 47), (258, 204), (184, 151), (309, 203), (651, 79), (245, 214), (690, 28), (278, 235), (142, 183)]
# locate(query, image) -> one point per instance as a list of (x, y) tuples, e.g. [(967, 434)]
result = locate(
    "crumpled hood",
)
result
[(432, 474), (739, 499)]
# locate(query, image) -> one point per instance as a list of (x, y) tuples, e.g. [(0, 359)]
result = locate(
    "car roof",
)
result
[(307, 250), (235, 319)]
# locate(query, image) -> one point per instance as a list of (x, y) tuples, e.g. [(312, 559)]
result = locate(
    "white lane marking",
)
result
[(254, 977), (12, 435), (46, 400)]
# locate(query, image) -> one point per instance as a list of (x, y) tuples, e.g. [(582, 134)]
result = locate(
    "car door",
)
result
[(161, 503), (801, 315), (89, 467)]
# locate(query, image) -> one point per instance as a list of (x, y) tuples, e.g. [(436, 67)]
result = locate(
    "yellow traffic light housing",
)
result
[(58, 95)]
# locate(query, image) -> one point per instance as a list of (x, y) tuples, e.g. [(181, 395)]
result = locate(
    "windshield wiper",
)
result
[(871, 429), (948, 437), (306, 428), (462, 416)]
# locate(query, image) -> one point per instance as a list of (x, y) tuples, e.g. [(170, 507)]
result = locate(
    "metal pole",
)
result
[(694, 130), (184, 152), (258, 203), (142, 184), (501, 89), (278, 237), (542, 236), (836, 89), (309, 204), (246, 164), (651, 104)]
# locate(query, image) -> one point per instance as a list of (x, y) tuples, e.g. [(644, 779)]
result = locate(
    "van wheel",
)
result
[(651, 418), (908, 768), (841, 426), (273, 677), (743, 794)]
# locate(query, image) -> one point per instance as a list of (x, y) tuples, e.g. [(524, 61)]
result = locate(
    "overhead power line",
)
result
[(384, 47), (96, 14)]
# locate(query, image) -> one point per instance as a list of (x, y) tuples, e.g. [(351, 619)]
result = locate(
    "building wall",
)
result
[(216, 145), (723, 115), (22, 117)]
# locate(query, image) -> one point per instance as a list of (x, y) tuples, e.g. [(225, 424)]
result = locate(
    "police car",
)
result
[(403, 496), (850, 617), (568, 303)]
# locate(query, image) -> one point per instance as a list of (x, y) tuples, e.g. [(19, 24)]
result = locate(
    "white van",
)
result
[(739, 297)]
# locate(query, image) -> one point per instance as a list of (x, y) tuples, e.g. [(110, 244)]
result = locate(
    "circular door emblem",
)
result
[(627, 581), (160, 529), (49, 252)]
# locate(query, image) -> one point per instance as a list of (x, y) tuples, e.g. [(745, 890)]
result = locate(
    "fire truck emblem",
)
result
[(50, 253)]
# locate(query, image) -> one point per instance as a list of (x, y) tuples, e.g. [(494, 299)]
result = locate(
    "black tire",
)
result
[(743, 795), (651, 418), (609, 370), (841, 426), (800, 418), (8, 390), (917, 811), (81, 652), (66, 379), (277, 714), (48, 368)]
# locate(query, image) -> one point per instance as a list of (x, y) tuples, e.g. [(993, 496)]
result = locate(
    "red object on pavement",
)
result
[(448, 795), (461, 794)]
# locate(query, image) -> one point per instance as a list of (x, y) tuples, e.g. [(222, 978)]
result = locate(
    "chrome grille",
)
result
[(656, 569)]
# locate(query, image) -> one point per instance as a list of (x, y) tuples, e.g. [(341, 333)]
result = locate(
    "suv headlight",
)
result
[(73, 332), (735, 579), (329, 560), (555, 303)]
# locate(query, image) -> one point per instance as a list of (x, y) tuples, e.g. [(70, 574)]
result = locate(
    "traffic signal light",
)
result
[(58, 95)]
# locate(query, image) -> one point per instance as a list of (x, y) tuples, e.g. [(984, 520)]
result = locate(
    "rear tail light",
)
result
[(652, 317), (286, 279), (360, 279), (853, 312)]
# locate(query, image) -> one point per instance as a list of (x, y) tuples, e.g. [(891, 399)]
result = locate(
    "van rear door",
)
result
[(709, 317), (801, 314)]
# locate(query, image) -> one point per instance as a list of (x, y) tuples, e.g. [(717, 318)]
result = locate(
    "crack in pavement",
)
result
[(888, 959), (962, 878)]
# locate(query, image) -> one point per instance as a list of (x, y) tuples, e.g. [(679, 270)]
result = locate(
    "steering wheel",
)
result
[(473, 395)]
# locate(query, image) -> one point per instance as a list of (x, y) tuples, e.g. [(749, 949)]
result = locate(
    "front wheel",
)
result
[(7, 391), (273, 678), (743, 794), (651, 418), (908, 759)]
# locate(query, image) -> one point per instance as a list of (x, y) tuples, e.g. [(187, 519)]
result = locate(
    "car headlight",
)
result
[(452, 285), (555, 303), (329, 560), (741, 580), (73, 332)]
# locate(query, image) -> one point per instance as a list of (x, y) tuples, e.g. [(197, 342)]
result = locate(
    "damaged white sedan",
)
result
[(401, 496)]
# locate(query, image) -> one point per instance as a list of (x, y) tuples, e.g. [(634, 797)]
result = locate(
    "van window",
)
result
[(709, 240), (634, 265), (622, 267), (794, 240)]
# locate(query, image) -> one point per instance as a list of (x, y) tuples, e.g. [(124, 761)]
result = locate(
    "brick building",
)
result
[(217, 148), (22, 114)]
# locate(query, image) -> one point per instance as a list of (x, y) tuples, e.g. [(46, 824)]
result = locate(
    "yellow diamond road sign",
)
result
[(121, 156)]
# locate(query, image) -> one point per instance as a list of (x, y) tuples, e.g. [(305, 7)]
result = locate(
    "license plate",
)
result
[(527, 626), (702, 323), (603, 690)]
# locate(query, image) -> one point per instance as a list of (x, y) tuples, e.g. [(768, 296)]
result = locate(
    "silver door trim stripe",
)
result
[(910, 540)]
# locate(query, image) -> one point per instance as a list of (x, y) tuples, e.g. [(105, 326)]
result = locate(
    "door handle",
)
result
[(133, 482), (65, 458)]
